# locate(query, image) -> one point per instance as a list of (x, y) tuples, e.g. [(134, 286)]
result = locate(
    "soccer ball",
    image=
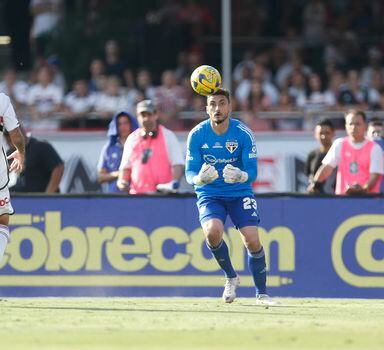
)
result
[(205, 80)]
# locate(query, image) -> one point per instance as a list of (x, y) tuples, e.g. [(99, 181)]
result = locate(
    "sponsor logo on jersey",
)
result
[(231, 146), (210, 159), (4, 201), (205, 146), (252, 155), (217, 145)]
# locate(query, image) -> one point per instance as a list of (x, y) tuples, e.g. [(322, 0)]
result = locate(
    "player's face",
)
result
[(124, 126), (355, 127), (147, 120), (324, 134), (218, 108)]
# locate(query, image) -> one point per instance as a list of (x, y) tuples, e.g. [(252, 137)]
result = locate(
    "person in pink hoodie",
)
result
[(359, 160)]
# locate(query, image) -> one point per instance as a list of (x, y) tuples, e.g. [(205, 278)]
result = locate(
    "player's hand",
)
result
[(169, 187), (17, 164), (207, 174), (232, 174)]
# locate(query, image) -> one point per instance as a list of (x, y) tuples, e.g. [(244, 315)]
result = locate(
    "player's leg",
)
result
[(212, 218), (243, 212), (256, 263), (256, 257), (5, 210), (4, 234), (213, 231)]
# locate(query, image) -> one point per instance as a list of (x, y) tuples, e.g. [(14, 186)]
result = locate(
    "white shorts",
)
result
[(5, 202)]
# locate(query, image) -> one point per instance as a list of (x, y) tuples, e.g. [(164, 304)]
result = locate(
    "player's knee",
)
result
[(213, 233), (213, 227), (213, 239), (253, 244)]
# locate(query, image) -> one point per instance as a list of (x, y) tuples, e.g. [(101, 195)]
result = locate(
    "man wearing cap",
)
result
[(152, 157)]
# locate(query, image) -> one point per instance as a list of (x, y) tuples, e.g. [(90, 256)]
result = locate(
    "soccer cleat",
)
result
[(266, 300), (230, 286)]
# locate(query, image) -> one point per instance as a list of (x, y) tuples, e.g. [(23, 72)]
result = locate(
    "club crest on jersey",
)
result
[(231, 146)]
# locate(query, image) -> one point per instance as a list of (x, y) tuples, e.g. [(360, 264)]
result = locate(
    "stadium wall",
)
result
[(153, 246)]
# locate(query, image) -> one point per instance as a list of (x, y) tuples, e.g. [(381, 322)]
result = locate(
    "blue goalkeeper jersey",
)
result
[(236, 147)]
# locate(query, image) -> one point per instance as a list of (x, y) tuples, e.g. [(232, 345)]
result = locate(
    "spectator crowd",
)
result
[(320, 61)]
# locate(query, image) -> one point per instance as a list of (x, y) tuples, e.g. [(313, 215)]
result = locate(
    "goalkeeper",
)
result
[(222, 164)]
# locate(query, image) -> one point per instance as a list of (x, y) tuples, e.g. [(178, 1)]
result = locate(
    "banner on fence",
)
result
[(315, 247)]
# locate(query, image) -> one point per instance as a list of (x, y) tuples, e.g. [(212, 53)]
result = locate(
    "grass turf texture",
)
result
[(190, 323)]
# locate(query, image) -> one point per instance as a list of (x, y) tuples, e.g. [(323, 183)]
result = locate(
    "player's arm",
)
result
[(196, 171), (249, 159), (16, 136), (18, 156)]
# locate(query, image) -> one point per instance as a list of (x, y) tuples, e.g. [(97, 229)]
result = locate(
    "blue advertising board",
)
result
[(154, 246)]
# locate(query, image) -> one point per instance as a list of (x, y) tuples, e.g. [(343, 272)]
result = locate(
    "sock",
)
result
[(221, 255), (257, 266), (4, 237)]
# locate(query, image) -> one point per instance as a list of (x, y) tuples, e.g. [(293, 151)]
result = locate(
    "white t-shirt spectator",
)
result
[(79, 104), (110, 104), (316, 100), (19, 90), (44, 99), (244, 89)]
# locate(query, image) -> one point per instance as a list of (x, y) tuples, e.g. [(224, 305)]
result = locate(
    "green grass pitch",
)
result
[(190, 323)]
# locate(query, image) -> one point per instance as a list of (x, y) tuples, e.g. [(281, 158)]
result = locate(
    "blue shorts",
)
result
[(242, 210)]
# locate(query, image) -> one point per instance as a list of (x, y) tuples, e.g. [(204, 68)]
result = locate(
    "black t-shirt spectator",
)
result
[(40, 160)]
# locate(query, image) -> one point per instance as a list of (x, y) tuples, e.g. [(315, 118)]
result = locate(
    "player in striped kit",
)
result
[(222, 164), (9, 123)]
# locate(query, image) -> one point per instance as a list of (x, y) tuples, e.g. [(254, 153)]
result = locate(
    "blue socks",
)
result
[(221, 255), (257, 266)]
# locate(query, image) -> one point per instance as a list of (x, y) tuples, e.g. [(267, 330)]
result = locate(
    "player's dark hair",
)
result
[(222, 92), (356, 113), (326, 122), (375, 121)]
